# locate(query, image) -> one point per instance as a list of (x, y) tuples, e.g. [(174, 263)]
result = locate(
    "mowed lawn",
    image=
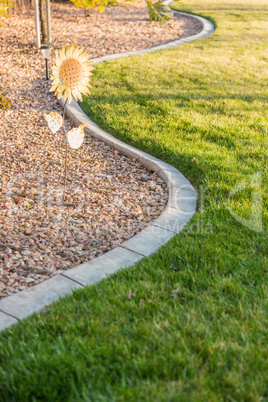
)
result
[(201, 107)]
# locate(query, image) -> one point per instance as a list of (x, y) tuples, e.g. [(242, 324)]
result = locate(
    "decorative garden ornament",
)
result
[(54, 121), (71, 73), (70, 77), (76, 136)]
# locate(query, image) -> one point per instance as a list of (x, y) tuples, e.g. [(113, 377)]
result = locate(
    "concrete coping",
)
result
[(179, 210)]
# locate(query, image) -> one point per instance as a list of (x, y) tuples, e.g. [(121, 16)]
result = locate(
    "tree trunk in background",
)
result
[(43, 24)]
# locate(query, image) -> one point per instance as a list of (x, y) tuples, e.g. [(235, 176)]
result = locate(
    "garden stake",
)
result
[(71, 78), (66, 151)]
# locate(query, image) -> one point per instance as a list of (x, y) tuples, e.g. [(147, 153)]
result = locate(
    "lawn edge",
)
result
[(180, 209)]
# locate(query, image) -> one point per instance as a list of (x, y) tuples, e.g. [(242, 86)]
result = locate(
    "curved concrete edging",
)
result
[(180, 208)]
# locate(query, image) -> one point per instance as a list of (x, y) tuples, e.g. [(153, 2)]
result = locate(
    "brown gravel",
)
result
[(109, 197)]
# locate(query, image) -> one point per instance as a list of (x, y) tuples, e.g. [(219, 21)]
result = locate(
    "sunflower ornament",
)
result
[(71, 73), (70, 78)]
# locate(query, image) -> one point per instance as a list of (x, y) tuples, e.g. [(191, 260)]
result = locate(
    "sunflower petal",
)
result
[(54, 76), (85, 81), (55, 71), (65, 95), (58, 60), (77, 52), (75, 93), (72, 48), (53, 88), (56, 81), (83, 88), (62, 55), (70, 97), (69, 51), (87, 65), (59, 95), (61, 88), (87, 74), (86, 91), (84, 56)]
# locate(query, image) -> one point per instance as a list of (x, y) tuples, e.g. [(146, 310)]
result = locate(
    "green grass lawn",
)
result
[(208, 340)]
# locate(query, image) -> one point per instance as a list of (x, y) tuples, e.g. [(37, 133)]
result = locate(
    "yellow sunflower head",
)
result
[(71, 73)]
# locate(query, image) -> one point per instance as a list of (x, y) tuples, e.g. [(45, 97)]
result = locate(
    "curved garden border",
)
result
[(180, 208)]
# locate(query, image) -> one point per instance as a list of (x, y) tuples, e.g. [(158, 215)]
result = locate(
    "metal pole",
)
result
[(48, 22), (37, 25), (47, 75)]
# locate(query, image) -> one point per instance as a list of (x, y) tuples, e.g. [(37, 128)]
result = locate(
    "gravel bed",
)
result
[(109, 196)]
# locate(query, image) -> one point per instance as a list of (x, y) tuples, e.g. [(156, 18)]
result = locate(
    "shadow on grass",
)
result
[(194, 172), (144, 100), (160, 150), (207, 17)]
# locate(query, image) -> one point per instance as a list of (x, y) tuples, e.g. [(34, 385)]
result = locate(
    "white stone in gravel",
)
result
[(6, 321), (31, 300), (29, 280), (99, 268)]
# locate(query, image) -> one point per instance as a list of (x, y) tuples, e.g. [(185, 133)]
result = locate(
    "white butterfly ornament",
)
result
[(76, 137), (54, 121)]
